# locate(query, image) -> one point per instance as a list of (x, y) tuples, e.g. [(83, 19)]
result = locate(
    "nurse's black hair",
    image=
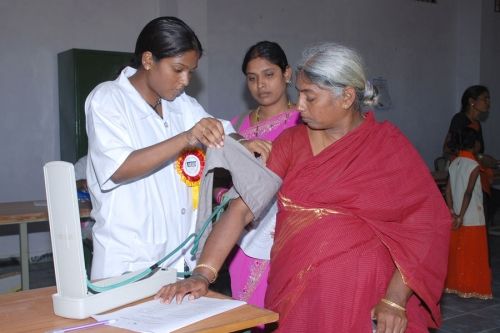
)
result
[(270, 51), (165, 37)]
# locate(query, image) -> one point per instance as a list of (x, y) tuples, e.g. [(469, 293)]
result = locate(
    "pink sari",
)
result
[(249, 275)]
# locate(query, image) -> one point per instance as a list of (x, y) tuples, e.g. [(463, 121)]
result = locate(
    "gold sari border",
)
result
[(318, 212), (468, 295)]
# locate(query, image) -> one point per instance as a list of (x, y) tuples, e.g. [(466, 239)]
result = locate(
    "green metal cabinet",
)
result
[(79, 72)]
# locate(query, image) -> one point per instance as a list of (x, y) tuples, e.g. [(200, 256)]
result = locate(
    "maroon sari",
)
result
[(347, 218)]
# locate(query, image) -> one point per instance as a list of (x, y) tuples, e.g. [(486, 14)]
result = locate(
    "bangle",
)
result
[(394, 305), (203, 277), (241, 139), (214, 271)]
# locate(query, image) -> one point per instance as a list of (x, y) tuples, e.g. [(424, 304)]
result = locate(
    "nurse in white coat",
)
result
[(139, 127)]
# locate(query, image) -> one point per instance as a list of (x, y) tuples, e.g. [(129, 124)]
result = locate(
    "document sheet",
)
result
[(156, 317)]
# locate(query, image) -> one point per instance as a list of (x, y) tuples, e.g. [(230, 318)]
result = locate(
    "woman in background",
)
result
[(475, 103), (267, 75), (469, 274)]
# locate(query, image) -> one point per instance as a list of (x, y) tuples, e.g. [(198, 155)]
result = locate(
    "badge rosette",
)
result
[(189, 166)]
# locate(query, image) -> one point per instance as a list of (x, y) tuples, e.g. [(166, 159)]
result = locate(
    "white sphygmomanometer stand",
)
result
[(73, 300)]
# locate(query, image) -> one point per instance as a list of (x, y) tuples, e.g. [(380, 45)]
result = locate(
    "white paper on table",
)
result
[(157, 317)]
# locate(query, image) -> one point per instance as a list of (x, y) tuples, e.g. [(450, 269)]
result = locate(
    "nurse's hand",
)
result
[(208, 131), (194, 287), (259, 147)]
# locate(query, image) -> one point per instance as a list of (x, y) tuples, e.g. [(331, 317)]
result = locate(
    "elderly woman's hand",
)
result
[(195, 287), (258, 146), (208, 131), (389, 318)]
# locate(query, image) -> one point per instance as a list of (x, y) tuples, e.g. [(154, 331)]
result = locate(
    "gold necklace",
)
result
[(257, 111), (257, 117)]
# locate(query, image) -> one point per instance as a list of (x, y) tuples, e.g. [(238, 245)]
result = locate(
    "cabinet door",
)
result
[(80, 71)]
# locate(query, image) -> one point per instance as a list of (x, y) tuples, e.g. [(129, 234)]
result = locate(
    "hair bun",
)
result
[(370, 94)]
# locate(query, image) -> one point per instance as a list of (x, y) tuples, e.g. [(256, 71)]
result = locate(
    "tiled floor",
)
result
[(460, 315)]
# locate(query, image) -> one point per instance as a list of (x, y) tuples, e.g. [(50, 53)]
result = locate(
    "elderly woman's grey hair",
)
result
[(334, 67)]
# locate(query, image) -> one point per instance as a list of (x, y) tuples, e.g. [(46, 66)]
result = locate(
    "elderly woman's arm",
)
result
[(220, 242), (390, 311)]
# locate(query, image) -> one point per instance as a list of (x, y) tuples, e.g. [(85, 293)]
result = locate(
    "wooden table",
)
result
[(31, 311), (24, 212)]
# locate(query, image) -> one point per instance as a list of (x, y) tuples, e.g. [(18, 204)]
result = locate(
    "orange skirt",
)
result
[(469, 273)]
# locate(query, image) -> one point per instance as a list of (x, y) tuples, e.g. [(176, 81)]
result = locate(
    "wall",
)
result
[(490, 74), (32, 33), (409, 43), (428, 53)]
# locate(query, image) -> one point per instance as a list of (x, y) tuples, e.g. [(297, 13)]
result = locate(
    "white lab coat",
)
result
[(139, 222), (81, 168)]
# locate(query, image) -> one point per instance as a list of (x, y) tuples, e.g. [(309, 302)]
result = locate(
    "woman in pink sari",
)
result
[(267, 74), (362, 231)]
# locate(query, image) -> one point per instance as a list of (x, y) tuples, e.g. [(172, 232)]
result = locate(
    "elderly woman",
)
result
[(362, 231)]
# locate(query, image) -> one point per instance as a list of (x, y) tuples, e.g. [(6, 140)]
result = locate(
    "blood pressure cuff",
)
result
[(252, 181)]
